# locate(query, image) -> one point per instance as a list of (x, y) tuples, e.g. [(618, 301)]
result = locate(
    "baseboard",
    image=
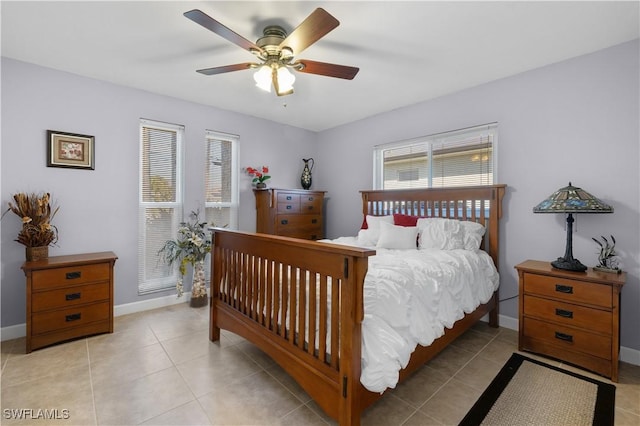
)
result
[(631, 356)]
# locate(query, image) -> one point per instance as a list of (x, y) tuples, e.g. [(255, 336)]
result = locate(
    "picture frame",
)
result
[(70, 150)]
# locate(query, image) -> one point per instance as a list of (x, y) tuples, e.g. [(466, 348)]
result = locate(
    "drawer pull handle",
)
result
[(289, 197), (310, 207), (284, 221), (72, 296), (289, 207), (563, 313), (310, 198), (564, 289), (565, 337), (73, 317), (314, 220), (74, 275)]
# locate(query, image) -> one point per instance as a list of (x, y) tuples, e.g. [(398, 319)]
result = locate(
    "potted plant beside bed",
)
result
[(190, 248)]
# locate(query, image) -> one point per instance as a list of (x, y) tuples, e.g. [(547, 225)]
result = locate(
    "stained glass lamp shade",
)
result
[(570, 200)]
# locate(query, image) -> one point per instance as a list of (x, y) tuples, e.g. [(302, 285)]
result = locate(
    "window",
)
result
[(160, 201), (458, 158), (221, 180)]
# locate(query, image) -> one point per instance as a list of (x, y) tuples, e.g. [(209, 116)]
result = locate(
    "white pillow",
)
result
[(440, 233), (369, 236), (473, 233), (397, 237)]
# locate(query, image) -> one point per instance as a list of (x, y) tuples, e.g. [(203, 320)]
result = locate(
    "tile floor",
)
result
[(159, 368)]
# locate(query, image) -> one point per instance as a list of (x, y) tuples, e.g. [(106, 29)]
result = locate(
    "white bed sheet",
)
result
[(410, 296)]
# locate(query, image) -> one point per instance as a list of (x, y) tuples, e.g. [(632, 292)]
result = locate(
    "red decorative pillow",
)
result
[(405, 220), (364, 225)]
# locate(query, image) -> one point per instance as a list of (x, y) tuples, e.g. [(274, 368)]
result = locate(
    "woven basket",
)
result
[(37, 253)]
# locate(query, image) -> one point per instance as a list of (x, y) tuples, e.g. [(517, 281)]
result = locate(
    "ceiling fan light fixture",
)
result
[(285, 81), (262, 78)]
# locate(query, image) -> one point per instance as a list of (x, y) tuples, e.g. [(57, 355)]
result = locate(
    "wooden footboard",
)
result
[(301, 301)]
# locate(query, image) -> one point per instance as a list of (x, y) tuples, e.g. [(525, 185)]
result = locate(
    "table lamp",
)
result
[(570, 200)]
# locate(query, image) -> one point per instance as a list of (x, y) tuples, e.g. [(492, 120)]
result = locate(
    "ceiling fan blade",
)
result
[(199, 17), (329, 70), (227, 68), (312, 29)]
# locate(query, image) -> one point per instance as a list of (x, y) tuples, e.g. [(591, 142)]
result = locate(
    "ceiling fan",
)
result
[(276, 51)]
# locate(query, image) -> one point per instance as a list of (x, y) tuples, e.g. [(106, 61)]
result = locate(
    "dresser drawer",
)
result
[(71, 296), (568, 338), (288, 208), (43, 322), (311, 204), (285, 197), (300, 226), (63, 277), (573, 291), (596, 320)]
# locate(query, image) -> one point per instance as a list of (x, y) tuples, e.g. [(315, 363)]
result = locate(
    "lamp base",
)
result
[(568, 264)]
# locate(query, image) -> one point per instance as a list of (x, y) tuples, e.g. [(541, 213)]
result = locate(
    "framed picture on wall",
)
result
[(70, 150)]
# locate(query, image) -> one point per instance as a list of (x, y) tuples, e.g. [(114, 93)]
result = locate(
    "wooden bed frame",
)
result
[(301, 301)]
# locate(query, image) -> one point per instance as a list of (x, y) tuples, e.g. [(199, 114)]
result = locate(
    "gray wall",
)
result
[(572, 121), (99, 209)]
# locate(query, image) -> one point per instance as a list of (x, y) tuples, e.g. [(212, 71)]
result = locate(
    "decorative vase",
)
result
[(199, 287), (37, 253), (261, 185), (305, 179)]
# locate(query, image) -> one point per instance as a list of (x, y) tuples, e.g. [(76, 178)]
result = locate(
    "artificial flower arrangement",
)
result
[(259, 175), (37, 212), (191, 247)]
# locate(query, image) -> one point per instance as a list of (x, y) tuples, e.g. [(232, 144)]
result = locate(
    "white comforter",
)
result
[(410, 296)]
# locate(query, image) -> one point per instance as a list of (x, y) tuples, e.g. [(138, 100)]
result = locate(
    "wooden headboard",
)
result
[(481, 204)]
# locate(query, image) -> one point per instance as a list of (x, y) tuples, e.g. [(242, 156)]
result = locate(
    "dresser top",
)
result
[(544, 268), (69, 260)]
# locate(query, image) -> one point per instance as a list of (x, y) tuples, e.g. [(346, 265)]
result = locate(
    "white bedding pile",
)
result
[(410, 296)]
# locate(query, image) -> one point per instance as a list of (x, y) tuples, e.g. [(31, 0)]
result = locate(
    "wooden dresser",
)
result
[(69, 297), (571, 316), (294, 213)]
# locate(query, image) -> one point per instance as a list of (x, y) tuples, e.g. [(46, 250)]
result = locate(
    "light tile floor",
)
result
[(159, 368)]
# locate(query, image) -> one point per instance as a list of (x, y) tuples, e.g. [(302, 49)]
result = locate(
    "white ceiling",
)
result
[(407, 52)]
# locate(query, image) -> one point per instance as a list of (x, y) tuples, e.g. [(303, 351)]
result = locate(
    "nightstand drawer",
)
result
[(72, 317), (568, 338), (567, 314), (569, 290), (63, 277), (71, 296)]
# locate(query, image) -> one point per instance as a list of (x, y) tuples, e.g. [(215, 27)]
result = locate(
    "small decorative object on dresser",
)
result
[(305, 179), (571, 316), (190, 248), (68, 297), (290, 212), (260, 176), (37, 233), (607, 258)]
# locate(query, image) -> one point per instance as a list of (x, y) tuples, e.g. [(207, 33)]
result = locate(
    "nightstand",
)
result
[(68, 297), (571, 316)]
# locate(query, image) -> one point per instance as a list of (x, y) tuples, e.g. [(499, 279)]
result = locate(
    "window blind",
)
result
[(458, 158), (221, 179), (160, 209)]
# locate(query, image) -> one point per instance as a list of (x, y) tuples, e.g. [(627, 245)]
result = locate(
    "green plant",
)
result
[(191, 247)]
